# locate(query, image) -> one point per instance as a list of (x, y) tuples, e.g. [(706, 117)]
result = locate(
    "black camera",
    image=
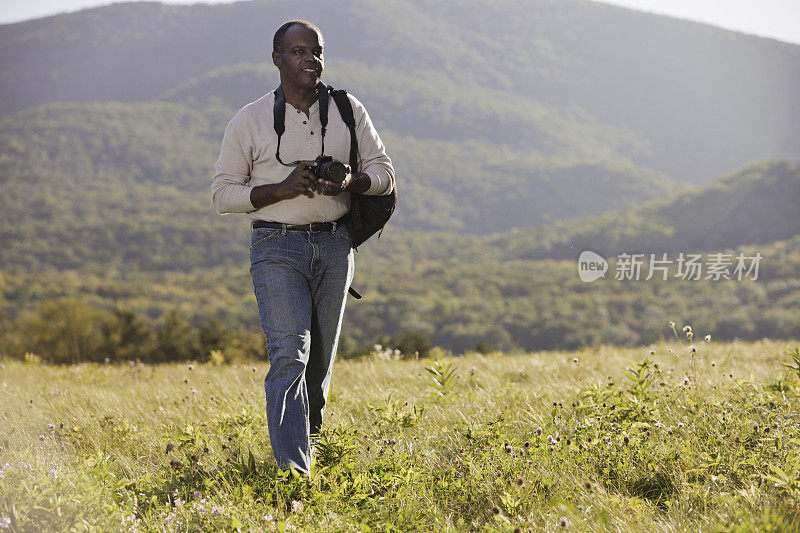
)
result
[(330, 170)]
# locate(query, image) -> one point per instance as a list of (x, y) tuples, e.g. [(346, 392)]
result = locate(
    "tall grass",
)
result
[(602, 439)]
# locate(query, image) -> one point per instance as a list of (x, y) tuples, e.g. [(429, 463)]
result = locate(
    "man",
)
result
[(300, 253)]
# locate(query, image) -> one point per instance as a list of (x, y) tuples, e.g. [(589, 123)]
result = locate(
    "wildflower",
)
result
[(690, 335), (218, 510), (197, 494), (41, 437), (131, 363), (53, 474), (672, 324), (254, 369), (5, 522), (508, 448), (687, 329), (713, 363), (550, 439), (563, 522), (707, 338), (472, 370), (652, 352), (657, 424), (191, 367), (267, 517), (685, 382), (107, 360), (575, 360), (538, 431), (51, 427), (680, 425), (692, 348), (297, 507)]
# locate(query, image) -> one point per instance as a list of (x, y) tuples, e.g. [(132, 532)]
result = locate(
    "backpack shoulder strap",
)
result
[(346, 111)]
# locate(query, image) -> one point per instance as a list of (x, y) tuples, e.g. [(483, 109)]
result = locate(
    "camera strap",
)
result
[(279, 118)]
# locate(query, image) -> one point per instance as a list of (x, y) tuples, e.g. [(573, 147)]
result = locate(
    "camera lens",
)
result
[(332, 171)]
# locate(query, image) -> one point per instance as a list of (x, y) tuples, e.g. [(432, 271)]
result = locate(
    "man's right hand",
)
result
[(301, 180)]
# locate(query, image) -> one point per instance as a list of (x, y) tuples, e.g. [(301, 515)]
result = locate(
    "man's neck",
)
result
[(301, 99)]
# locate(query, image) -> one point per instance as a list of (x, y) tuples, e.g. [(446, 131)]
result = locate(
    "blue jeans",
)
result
[(300, 280)]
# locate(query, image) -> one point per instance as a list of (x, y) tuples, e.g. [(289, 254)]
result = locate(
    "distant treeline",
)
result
[(409, 305), (72, 331)]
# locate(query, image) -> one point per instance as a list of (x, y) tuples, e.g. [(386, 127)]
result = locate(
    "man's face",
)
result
[(300, 62)]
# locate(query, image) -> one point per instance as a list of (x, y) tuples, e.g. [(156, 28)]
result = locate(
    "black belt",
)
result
[(313, 227)]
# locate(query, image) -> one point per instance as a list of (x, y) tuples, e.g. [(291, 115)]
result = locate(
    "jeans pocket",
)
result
[(343, 234), (262, 235)]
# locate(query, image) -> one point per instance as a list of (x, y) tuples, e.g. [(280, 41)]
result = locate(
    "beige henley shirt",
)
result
[(247, 160)]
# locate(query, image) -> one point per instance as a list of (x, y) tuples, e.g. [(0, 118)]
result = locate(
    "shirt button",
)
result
[(298, 111), (305, 122), (312, 133)]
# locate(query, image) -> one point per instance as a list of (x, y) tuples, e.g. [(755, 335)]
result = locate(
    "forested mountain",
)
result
[(689, 100), (522, 133)]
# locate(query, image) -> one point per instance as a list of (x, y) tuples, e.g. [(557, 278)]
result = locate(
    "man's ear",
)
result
[(276, 58)]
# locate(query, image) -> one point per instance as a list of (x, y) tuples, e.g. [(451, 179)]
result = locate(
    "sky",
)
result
[(778, 19)]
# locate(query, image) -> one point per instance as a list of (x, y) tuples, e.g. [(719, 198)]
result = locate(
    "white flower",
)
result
[(708, 338), (297, 507), (5, 522), (53, 474)]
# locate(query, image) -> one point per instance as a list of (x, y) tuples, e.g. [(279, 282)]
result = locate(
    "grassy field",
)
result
[(602, 439)]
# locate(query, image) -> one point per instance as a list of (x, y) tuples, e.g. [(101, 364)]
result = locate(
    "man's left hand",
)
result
[(331, 188), (354, 182)]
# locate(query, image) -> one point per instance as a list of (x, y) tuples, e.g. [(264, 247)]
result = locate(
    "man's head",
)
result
[(297, 52)]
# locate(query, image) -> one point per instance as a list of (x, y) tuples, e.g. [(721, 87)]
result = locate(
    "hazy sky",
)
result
[(779, 19)]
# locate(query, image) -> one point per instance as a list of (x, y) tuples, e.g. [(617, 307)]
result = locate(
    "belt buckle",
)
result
[(311, 228)]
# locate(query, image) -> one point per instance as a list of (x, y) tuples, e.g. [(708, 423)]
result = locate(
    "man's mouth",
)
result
[(311, 70)]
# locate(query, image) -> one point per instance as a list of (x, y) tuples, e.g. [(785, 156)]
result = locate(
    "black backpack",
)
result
[(368, 213)]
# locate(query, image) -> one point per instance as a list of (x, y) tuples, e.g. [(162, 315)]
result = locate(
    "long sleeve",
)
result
[(229, 188), (374, 161)]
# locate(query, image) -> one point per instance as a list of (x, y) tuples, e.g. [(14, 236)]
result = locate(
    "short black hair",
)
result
[(277, 41)]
